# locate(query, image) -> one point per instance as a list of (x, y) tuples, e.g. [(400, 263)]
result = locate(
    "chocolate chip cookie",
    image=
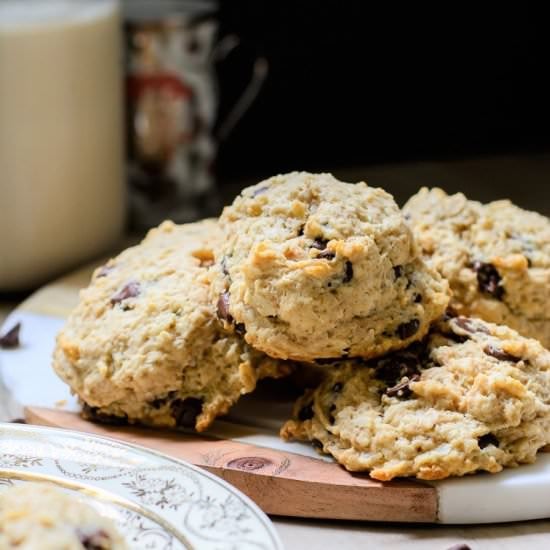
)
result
[(144, 343), (38, 516), (471, 396), (315, 268), (495, 256)]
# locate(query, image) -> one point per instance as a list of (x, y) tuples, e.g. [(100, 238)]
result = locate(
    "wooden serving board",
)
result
[(282, 478), (280, 483)]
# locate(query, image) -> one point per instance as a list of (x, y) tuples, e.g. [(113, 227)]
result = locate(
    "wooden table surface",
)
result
[(525, 181)]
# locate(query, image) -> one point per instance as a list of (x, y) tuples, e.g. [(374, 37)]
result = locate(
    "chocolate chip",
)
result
[(326, 255), (469, 325), (331, 415), (486, 440), (458, 338), (417, 298), (397, 271), (325, 360), (104, 271), (306, 412), (319, 243), (317, 444), (161, 401), (98, 540), (185, 411), (222, 307), (223, 265), (95, 414), (402, 389), (130, 290), (406, 330), (10, 339), (450, 313), (394, 367), (348, 272), (337, 387), (488, 279), (498, 353), (460, 546), (259, 191)]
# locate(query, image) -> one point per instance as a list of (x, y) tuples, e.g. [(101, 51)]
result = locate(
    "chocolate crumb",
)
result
[(130, 290), (460, 546), (337, 387), (498, 353), (185, 411), (99, 540), (301, 230), (418, 298), (397, 271), (488, 279), (240, 329), (317, 444), (10, 339), (486, 440), (402, 389), (348, 272), (306, 412), (408, 329)]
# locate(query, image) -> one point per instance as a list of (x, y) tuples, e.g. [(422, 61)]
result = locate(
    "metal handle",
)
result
[(260, 72)]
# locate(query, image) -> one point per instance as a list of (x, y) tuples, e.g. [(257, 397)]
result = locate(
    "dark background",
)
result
[(352, 85)]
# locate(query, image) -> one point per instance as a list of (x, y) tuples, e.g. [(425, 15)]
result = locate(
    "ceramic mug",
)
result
[(62, 188), (173, 130)]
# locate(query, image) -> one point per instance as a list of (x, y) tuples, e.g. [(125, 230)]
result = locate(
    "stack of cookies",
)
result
[(304, 269)]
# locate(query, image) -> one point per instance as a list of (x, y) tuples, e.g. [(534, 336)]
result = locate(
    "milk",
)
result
[(62, 188)]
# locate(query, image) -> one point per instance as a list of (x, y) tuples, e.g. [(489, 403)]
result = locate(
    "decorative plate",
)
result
[(156, 502)]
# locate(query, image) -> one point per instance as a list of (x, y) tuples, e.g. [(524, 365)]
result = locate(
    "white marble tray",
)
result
[(515, 494)]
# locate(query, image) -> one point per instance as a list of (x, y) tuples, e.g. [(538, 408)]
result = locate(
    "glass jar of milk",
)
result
[(62, 187)]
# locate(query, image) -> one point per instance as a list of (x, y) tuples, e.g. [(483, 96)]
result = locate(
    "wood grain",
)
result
[(280, 483)]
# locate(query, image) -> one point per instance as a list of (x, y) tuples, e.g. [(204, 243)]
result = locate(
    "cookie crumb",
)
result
[(10, 339)]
